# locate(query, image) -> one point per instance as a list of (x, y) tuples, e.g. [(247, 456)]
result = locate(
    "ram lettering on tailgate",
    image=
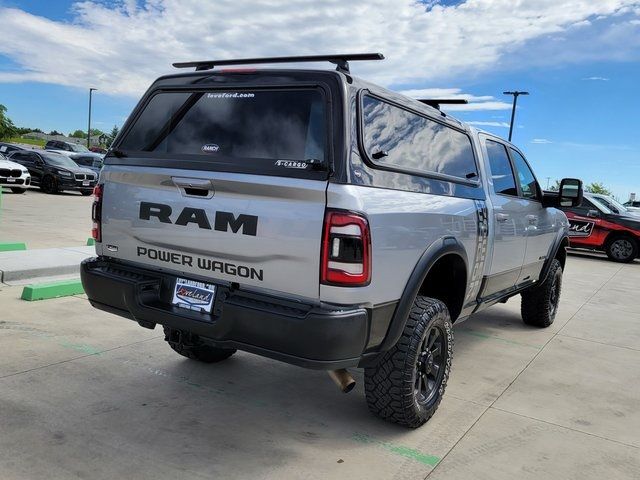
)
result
[(223, 221)]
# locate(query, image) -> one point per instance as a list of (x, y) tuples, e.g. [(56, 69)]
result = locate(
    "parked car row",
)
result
[(53, 170)]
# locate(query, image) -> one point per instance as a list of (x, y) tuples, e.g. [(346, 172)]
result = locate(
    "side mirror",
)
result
[(570, 192), (593, 214)]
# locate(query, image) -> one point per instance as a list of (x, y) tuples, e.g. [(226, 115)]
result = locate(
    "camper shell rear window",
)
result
[(282, 129)]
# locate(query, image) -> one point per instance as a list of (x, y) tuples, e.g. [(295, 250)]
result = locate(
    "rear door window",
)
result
[(233, 126), (504, 182), (398, 138)]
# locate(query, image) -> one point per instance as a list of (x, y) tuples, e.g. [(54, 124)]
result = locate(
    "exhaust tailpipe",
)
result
[(343, 379)]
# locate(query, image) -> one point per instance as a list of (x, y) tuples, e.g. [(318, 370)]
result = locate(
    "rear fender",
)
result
[(437, 250)]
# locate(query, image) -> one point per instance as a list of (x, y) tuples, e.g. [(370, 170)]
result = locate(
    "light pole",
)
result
[(89, 128), (513, 109)]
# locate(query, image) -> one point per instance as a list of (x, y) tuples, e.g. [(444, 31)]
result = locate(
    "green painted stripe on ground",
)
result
[(90, 242), (9, 247), (44, 291), (401, 450)]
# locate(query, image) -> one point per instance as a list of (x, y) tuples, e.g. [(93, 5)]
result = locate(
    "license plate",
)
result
[(85, 183), (192, 295), (11, 180)]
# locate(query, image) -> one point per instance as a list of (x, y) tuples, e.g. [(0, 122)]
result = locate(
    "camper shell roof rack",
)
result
[(340, 60), (436, 102)]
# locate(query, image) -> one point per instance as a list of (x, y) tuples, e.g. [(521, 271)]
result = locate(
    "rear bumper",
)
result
[(308, 336)]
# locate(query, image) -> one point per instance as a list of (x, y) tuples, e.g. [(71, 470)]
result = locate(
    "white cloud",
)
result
[(541, 141), (597, 79), (489, 124), (120, 48)]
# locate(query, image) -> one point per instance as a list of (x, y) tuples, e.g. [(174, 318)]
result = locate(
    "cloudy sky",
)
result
[(578, 58)]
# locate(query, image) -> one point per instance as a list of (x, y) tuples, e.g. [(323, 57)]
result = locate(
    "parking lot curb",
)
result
[(44, 291), (10, 247), (28, 266)]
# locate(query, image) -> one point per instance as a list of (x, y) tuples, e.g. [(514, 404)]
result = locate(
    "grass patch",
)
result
[(27, 141)]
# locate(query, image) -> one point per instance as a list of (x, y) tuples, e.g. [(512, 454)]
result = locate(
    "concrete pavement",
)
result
[(45, 221), (87, 395)]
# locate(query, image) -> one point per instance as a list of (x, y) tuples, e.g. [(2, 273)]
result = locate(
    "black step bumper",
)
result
[(308, 336)]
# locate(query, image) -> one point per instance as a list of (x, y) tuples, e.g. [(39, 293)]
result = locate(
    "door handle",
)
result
[(194, 187), (532, 219), (502, 217)]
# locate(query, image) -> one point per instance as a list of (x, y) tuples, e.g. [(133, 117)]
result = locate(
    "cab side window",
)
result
[(504, 182), (527, 180), (406, 141)]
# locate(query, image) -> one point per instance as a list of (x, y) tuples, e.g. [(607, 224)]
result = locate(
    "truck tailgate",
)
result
[(254, 230)]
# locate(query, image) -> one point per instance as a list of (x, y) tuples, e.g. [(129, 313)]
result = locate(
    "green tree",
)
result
[(55, 132), (7, 128), (78, 134), (112, 136), (597, 187), (555, 187)]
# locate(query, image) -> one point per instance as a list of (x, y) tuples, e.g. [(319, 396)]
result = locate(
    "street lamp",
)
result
[(513, 110), (89, 128)]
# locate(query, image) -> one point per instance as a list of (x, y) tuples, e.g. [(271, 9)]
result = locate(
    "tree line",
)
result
[(9, 130)]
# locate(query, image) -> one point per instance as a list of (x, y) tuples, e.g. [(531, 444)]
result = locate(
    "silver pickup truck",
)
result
[(312, 217)]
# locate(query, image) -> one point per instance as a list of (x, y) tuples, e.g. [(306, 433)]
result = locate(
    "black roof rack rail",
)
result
[(436, 102), (341, 60)]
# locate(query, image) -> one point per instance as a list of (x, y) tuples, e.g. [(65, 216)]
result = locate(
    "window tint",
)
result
[(525, 176), (501, 171), (259, 124), (395, 137)]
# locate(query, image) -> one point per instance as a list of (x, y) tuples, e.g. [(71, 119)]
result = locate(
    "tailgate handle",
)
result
[(194, 187)]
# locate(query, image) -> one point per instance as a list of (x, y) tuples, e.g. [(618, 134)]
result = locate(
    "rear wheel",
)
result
[(622, 249), (540, 303), (18, 190), (407, 384), (189, 345), (49, 185)]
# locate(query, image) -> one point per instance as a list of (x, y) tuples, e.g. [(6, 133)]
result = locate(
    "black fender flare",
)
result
[(553, 253), (438, 249)]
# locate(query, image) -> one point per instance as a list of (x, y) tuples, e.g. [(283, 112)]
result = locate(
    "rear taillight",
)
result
[(346, 249), (96, 213)]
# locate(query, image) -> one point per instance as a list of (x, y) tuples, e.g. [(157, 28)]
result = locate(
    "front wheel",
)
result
[(622, 249), (407, 384), (190, 346), (540, 303), (18, 190), (49, 185), (86, 193)]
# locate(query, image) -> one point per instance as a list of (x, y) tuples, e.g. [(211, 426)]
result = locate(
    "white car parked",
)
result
[(14, 175)]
